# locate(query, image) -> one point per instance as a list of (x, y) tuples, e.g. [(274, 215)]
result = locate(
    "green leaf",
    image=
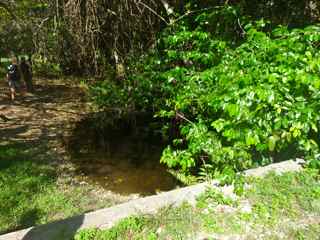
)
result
[(233, 110), (219, 124), (272, 141), (252, 139)]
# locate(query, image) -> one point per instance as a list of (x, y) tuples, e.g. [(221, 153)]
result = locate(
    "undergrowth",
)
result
[(227, 103)]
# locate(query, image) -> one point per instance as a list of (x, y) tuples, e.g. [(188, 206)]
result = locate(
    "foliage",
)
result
[(19, 26), (262, 98), (289, 12), (229, 105), (86, 36), (47, 69), (214, 196)]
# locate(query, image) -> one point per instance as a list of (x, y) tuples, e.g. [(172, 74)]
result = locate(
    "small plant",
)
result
[(89, 234), (213, 196), (125, 229)]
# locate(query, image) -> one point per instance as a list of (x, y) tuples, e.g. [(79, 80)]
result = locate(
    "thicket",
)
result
[(232, 92), (91, 37)]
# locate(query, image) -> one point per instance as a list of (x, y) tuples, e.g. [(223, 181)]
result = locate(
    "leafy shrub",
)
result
[(262, 98), (234, 104)]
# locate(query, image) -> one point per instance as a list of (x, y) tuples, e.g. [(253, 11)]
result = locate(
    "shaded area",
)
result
[(65, 229), (30, 217), (39, 185), (123, 157), (21, 180)]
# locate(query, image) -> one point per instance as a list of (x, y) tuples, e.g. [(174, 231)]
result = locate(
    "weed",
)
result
[(213, 196)]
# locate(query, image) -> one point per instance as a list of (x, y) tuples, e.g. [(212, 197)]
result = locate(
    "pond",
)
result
[(122, 161)]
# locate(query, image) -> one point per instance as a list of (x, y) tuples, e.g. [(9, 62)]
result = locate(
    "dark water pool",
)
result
[(126, 166)]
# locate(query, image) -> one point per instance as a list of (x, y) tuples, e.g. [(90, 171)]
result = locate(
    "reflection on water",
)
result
[(127, 166)]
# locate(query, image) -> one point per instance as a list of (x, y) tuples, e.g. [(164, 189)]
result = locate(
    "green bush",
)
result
[(235, 104), (263, 98)]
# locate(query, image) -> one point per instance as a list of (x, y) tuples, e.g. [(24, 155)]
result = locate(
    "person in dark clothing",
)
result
[(13, 77), (27, 74)]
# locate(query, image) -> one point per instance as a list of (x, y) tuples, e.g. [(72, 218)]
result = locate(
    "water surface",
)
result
[(127, 165)]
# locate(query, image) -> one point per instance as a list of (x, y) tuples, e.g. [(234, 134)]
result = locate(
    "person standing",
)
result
[(29, 62), (27, 74), (13, 77)]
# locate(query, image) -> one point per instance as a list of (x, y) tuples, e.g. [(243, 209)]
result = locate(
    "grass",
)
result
[(30, 194), (177, 223), (274, 207)]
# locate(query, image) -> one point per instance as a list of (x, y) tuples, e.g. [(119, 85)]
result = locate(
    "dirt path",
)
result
[(41, 124), (44, 118)]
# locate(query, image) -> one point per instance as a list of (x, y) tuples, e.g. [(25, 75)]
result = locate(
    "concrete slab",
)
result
[(105, 218), (279, 168)]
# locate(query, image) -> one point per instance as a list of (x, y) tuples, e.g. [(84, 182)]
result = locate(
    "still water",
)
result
[(126, 165)]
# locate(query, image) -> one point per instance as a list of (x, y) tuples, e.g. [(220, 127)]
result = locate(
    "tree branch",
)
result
[(154, 12)]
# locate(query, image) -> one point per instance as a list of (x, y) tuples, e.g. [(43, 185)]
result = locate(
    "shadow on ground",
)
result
[(65, 229)]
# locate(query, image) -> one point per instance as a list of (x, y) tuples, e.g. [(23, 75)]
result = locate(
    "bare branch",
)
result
[(154, 12)]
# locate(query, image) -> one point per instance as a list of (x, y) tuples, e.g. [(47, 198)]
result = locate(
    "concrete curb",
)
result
[(106, 218)]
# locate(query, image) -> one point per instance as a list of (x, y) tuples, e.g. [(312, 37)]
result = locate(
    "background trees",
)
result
[(83, 36)]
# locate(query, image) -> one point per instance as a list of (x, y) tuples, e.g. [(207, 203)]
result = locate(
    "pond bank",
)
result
[(34, 142)]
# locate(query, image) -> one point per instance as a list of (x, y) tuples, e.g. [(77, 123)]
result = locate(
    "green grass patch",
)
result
[(289, 195), (30, 194), (311, 231), (169, 223)]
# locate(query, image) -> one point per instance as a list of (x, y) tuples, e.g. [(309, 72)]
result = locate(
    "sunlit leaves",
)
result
[(263, 96), (232, 106)]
